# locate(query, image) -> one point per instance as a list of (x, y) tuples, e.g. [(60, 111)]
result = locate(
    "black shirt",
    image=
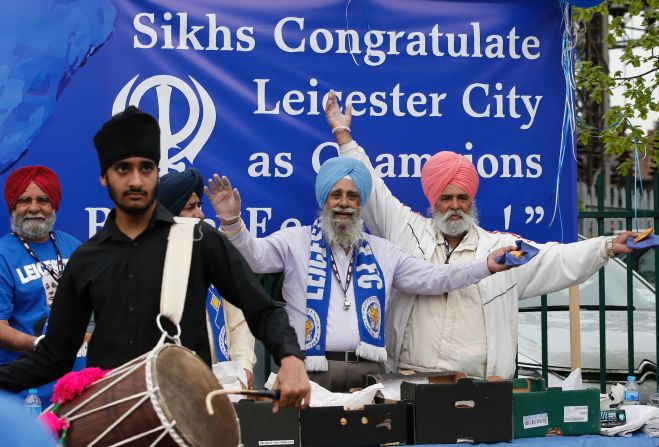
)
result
[(119, 280)]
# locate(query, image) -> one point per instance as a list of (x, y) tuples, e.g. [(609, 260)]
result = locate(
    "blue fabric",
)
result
[(318, 296), (176, 188), (19, 429), (368, 285), (529, 253), (651, 241), (23, 292), (637, 440), (334, 170), (215, 309)]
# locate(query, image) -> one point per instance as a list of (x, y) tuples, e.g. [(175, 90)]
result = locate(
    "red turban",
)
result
[(448, 167), (43, 177)]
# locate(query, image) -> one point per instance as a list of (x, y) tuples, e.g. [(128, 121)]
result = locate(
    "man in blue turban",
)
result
[(180, 193), (337, 278)]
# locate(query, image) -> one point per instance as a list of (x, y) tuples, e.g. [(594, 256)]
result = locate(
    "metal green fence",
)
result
[(601, 214)]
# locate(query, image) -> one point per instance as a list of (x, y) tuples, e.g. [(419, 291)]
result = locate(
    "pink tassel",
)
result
[(72, 384), (54, 423)]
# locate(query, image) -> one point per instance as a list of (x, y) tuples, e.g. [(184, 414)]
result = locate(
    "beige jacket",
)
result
[(556, 267)]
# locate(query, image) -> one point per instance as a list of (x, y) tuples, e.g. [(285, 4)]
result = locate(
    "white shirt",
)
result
[(287, 251)]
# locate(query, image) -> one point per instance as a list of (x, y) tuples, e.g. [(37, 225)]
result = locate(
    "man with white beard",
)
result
[(31, 251), (472, 329), (337, 278)]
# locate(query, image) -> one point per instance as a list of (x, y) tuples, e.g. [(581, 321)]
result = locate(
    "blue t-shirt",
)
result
[(25, 285)]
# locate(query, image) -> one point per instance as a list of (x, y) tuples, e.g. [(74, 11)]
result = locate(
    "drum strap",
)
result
[(177, 268)]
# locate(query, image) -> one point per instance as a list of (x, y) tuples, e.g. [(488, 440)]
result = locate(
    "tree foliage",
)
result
[(618, 134)]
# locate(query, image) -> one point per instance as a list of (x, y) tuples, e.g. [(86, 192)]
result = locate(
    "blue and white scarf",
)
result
[(215, 309), (370, 294)]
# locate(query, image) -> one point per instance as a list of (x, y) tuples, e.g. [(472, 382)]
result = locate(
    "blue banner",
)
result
[(238, 88)]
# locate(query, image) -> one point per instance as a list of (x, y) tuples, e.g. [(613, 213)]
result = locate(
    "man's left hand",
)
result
[(493, 265), (620, 242)]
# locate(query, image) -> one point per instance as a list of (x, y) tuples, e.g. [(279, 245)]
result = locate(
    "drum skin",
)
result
[(181, 381)]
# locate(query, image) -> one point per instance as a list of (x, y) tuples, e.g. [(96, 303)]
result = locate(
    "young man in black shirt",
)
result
[(117, 275)]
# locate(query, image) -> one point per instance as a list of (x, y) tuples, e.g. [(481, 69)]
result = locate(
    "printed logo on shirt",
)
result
[(49, 287), (311, 330), (371, 315), (36, 270)]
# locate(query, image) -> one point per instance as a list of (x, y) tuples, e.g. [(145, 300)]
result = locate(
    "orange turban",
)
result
[(448, 167), (43, 177)]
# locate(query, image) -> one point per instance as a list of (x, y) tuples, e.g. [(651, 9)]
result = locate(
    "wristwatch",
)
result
[(608, 246)]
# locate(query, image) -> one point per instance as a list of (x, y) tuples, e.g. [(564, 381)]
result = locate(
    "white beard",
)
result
[(345, 233), (31, 228), (455, 228)]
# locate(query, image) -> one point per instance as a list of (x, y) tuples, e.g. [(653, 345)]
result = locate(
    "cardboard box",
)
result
[(550, 412), (376, 424), (452, 408), (259, 426)]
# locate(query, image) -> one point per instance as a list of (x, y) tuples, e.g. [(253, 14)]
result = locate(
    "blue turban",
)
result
[(334, 170), (176, 188)]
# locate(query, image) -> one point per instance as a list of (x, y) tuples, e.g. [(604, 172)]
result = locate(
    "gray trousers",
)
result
[(341, 376)]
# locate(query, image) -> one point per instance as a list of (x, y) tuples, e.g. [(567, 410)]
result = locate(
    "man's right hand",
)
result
[(293, 382), (337, 119), (225, 200)]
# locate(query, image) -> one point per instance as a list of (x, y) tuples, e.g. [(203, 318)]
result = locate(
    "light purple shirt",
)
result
[(287, 251)]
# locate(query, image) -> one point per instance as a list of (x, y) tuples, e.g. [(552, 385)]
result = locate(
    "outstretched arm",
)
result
[(558, 266), (417, 276)]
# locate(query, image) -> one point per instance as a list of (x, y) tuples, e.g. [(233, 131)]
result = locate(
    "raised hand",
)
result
[(225, 200), (338, 122)]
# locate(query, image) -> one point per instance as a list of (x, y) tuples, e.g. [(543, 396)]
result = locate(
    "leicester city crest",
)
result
[(372, 316), (224, 346), (311, 329)]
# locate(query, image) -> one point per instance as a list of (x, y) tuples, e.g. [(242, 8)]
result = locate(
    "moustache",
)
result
[(453, 213), (341, 210), (135, 191)]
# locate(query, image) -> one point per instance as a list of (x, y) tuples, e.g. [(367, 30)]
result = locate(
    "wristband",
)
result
[(228, 217), (36, 342), (334, 130), (233, 233)]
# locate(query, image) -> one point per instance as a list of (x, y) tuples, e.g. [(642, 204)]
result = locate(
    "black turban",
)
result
[(131, 133), (176, 188)]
